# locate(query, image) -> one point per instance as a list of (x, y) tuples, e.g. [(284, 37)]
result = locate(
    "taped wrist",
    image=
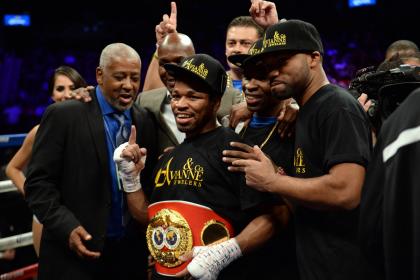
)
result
[(210, 260), (130, 179)]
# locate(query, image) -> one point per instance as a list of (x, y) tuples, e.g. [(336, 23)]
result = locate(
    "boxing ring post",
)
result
[(20, 240)]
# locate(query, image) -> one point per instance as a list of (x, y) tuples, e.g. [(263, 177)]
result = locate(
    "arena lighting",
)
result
[(358, 3), (17, 20)]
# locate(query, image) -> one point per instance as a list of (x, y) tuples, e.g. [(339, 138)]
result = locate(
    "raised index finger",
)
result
[(255, 7), (173, 13), (133, 135)]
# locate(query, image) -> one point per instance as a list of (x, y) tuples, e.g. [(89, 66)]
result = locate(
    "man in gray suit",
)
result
[(174, 47)]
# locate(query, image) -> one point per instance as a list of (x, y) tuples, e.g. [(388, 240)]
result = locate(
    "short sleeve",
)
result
[(346, 137)]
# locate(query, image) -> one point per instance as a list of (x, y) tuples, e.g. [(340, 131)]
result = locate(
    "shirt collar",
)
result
[(106, 108), (259, 122)]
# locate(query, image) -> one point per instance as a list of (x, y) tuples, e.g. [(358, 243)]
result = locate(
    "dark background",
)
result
[(74, 33)]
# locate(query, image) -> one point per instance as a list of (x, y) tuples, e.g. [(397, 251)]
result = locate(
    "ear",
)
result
[(99, 75), (315, 59), (216, 106)]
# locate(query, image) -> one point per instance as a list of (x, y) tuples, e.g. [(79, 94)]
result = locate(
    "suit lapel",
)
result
[(167, 129), (97, 131), (161, 120), (156, 102)]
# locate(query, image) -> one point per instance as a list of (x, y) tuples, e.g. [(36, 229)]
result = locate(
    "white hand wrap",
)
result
[(126, 170), (208, 261)]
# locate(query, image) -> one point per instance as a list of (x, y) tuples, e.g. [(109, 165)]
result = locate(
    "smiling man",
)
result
[(72, 184), (331, 151), (196, 202)]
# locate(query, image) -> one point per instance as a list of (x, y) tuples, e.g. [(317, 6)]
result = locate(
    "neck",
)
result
[(207, 128), (270, 112), (315, 84)]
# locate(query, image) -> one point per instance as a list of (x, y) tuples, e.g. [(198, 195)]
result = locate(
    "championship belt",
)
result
[(175, 227)]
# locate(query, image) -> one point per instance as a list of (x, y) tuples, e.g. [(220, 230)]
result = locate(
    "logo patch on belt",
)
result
[(168, 237)]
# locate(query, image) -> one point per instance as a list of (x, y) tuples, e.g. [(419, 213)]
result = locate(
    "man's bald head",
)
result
[(177, 42), (402, 48), (174, 47)]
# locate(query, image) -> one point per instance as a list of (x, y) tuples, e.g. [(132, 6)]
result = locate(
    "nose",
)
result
[(181, 103), (127, 84), (249, 86), (67, 92), (237, 48)]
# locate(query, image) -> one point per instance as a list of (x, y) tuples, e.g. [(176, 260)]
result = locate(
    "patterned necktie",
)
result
[(123, 132)]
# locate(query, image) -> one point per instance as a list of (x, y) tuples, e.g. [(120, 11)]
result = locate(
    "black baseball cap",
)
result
[(241, 60), (291, 36), (203, 69)]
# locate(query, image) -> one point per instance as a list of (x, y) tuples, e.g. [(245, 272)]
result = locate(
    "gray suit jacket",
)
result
[(153, 101)]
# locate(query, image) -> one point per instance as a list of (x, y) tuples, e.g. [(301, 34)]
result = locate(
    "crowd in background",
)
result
[(24, 73), (24, 77)]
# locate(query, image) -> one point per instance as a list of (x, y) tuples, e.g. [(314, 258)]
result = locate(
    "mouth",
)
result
[(183, 118), (253, 100), (125, 98), (276, 83)]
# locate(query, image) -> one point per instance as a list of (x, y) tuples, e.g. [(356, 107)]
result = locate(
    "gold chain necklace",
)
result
[(266, 139), (229, 82)]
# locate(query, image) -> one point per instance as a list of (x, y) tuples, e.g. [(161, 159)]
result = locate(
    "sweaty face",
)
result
[(62, 86), (173, 56), (195, 112), (288, 74), (120, 81), (238, 40), (258, 96)]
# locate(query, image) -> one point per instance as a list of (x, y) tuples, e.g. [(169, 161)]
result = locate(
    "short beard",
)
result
[(287, 93)]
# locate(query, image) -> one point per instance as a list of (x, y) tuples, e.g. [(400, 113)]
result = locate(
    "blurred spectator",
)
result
[(401, 47)]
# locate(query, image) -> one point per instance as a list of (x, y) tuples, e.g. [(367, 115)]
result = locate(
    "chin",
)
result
[(123, 107), (183, 129), (253, 109), (282, 95)]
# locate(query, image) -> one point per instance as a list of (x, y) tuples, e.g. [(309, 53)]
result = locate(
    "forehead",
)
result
[(242, 33), (62, 79), (124, 64), (174, 51), (185, 87)]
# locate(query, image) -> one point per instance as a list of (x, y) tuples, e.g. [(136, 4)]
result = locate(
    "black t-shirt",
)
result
[(279, 150), (207, 181), (195, 172), (277, 258), (331, 128)]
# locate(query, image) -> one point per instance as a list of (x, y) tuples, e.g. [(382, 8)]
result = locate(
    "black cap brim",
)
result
[(181, 73), (238, 59)]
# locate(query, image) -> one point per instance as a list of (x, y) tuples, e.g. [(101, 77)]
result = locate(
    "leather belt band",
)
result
[(177, 226)]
